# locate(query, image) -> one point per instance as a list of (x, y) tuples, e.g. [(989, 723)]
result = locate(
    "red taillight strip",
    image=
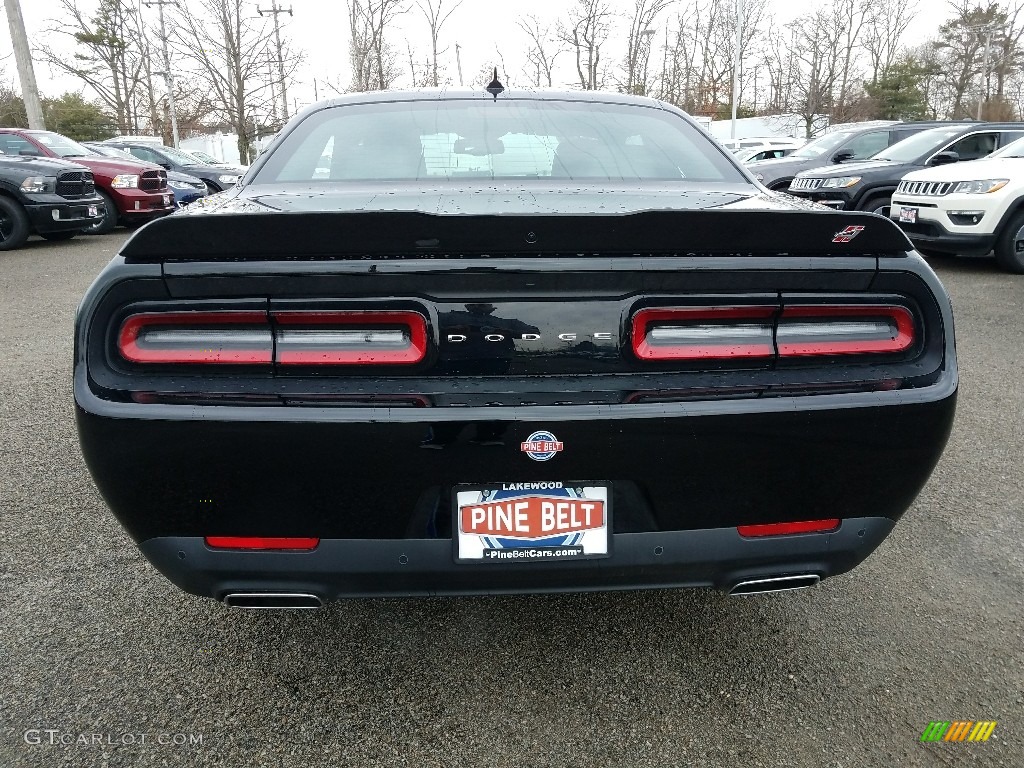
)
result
[(128, 341), (262, 542), (899, 341), (703, 321), (330, 351), (787, 529)]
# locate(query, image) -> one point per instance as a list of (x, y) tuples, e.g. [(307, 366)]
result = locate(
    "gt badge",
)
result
[(848, 234), (541, 446)]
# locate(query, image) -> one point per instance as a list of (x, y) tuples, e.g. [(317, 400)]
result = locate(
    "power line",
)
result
[(23, 58), (276, 11)]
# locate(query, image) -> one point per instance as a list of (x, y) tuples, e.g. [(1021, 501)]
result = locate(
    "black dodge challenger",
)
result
[(462, 343)]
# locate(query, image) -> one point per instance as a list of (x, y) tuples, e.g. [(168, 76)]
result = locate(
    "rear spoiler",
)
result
[(409, 234)]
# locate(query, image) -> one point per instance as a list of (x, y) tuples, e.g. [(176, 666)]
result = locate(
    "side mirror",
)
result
[(165, 166), (842, 157), (945, 158)]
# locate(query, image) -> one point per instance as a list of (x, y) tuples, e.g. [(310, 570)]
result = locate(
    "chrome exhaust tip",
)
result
[(272, 600), (775, 584)]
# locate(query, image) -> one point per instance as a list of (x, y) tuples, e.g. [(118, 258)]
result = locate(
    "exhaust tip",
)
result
[(272, 600), (775, 584)]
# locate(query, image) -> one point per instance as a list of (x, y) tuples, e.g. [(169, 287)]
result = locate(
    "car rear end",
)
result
[(510, 344), (282, 432)]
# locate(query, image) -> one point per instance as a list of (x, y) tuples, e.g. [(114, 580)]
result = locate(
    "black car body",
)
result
[(868, 185), (53, 198), (302, 390), (848, 144), (216, 177)]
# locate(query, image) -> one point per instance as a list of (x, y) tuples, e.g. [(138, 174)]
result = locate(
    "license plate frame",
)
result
[(92, 211), (514, 515), (908, 215)]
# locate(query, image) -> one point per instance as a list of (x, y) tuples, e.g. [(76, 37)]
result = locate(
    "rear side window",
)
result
[(867, 144), (502, 139)]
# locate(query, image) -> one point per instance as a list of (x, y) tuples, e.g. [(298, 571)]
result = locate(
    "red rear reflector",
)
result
[(230, 337), (261, 542), (844, 330), (786, 529), (350, 338), (695, 333)]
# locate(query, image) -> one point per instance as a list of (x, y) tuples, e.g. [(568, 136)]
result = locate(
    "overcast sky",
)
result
[(481, 27)]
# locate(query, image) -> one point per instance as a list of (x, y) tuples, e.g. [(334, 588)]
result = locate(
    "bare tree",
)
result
[(436, 17), (885, 27), (542, 52), (638, 44), (587, 30), (229, 47), (373, 60), (109, 56)]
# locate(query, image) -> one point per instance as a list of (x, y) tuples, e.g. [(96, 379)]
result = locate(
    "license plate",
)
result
[(909, 215), (167, 199), (94, 211), (537, 522)]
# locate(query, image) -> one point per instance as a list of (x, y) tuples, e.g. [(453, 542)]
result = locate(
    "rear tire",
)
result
[(14, 226), (109, 220), (56, 237), (1010, 245)]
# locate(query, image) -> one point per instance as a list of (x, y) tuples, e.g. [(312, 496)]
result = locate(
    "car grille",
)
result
[(75, 184), (153, 181), (925, 188), (805, 183)]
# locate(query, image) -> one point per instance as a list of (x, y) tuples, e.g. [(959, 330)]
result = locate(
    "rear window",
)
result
[(503, 139)]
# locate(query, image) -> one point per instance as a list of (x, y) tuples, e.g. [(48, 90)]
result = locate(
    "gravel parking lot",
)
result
[(106, 663)]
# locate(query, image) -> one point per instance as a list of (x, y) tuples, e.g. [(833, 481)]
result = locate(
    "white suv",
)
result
[(967, 208)]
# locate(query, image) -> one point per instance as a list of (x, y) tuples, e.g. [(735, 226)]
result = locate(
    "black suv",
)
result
[(52, 198), (868, 185), (216, 177), (839, 146)]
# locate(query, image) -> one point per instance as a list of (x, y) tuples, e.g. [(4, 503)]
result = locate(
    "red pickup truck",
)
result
[(133, 192)]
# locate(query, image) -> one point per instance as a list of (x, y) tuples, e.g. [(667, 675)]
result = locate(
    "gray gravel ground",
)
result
[(96, 642)]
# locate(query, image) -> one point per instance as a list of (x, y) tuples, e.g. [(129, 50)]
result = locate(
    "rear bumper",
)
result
[(337, 568)]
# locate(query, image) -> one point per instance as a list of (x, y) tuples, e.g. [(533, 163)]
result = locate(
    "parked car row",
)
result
[(917, 174), (56, 187)]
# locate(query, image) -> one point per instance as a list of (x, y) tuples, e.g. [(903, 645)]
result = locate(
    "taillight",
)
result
[(695, 333), (350, 338), (262, 542), (229, 337), (844, 330), (788, 529)]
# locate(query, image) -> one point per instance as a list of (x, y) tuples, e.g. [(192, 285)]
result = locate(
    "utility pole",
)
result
[(168, 75), (984, 93), (27, 75), (736, 65), (276, 11)]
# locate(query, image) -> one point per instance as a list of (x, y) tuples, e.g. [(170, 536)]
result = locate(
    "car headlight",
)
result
[(759, 177), (841, 182), (125, 181), (229, 178), (982, 187), (37, 185)]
